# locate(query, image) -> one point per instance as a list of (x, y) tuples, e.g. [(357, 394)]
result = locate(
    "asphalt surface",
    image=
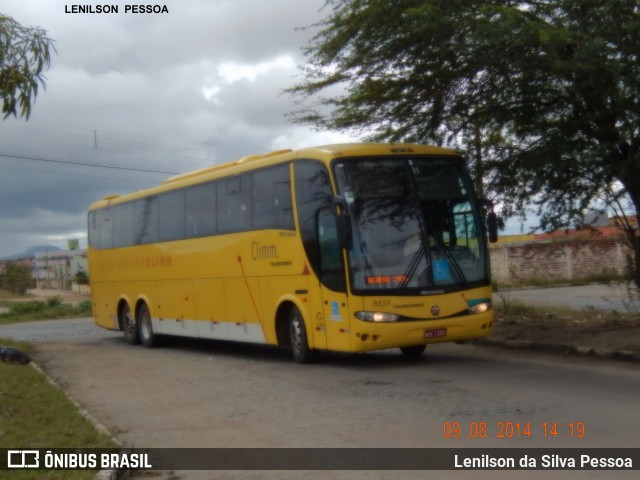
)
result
[(223, 394)]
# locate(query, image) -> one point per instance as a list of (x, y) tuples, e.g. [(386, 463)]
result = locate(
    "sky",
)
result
[(161, 92), (145, 96)]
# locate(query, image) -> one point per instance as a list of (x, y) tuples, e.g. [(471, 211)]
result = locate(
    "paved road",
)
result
[(69, 330), (215, 394)]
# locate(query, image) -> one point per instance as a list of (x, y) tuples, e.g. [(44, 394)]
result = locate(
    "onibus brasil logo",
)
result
[(21, 459)]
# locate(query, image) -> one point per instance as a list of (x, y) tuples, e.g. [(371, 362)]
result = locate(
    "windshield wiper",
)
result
[(461, 279), (413, 265)]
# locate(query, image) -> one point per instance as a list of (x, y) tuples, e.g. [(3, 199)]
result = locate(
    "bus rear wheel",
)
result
[(413, 351), (147, 337), (129, 326), (298, 338)]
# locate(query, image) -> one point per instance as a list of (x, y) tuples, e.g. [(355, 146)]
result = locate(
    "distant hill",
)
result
[(31, 252)]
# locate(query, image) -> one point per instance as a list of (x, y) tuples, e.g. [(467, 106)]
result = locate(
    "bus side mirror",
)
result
[(492, 219), (340, 220), (343, 226), (492, 226), (343, 223)]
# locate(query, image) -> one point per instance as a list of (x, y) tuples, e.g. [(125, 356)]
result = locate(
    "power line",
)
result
[(87, 138), (66, 174), (68, 162)]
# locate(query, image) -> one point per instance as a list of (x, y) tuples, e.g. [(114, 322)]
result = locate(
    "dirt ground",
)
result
[(592, 332), (67, 296)]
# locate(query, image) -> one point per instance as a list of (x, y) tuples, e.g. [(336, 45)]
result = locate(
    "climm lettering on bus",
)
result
[(160, 261), (138, 263), (262, 252)]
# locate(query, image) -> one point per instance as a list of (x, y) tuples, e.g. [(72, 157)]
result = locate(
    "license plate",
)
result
[(435, 333)]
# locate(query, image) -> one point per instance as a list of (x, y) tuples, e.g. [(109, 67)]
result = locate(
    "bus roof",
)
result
[(324, 153)]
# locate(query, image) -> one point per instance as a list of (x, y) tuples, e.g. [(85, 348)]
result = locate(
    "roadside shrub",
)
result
[(25, 308), (84, 308), (53, 302), (53, 308)]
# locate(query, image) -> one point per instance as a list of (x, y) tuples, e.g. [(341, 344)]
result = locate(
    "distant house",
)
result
[(597, 251), (609, 230), (28, 262), (58, 269)]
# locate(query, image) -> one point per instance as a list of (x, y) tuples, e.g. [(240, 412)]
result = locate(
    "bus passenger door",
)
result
[(333, 282)]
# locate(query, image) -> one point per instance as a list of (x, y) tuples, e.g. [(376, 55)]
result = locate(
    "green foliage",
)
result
[(35, 414), (53, 308), (24, 55), (82, 278), (543, 95), (24, 308), (84, 306), (17, 278), (54, 301)]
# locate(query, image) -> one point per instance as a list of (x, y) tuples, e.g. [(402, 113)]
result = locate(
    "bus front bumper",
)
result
[(369, 336)]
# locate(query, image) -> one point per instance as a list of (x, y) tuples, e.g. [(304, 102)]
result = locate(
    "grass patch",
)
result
[(35, 414), (518, 309), (52, 309), (606, 277), (604, 331), (558, 315)]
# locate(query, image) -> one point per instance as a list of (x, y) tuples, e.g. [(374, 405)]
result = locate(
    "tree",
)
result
[(82, 278), (18, 278), (543, 94), (25, 52)]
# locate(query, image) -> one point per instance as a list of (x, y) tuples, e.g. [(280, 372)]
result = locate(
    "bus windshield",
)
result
[(415, 224)]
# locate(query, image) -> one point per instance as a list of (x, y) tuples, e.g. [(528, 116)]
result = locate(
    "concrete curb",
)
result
[(102, 474), (561, 348)]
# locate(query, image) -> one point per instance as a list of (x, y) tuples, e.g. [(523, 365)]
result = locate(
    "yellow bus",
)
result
[(347, 248)]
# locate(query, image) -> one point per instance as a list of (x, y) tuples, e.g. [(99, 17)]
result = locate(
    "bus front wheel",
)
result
[(129, 326), (414, 351), (147, 337), (298, 337)]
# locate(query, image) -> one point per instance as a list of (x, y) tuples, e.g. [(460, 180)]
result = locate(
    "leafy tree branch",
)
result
[(543, 95), (25, 53)]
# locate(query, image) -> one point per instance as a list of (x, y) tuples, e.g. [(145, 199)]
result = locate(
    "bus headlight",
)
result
[(480, 307), (380, 317)]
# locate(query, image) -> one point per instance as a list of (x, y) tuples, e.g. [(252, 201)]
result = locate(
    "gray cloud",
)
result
[(151, 91)]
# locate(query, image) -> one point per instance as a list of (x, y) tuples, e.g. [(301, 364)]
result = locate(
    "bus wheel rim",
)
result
[(296, 334), (145, 324)]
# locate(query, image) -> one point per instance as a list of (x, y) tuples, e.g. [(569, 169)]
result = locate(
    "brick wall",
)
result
[(566, 260)]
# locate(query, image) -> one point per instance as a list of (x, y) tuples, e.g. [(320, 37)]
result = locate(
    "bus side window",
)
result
[(123, 224), (271, 206), (331, 273), (171, 224), (146, 220), (94, 228), (313, 191), (234, 204), (201, 210), (106, 229)]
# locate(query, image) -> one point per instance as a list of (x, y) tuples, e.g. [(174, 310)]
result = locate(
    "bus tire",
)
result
[(413, 351), (129, 326), (298, 337), (147, 337)]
